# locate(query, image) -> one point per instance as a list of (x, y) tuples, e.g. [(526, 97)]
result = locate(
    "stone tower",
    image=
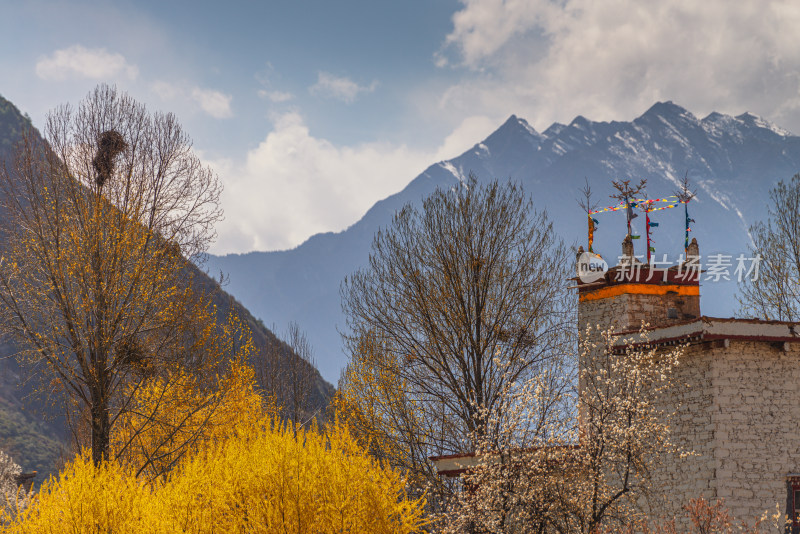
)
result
[(735, 393)]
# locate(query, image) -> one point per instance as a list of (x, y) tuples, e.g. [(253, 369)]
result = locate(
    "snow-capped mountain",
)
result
[(731, 161)]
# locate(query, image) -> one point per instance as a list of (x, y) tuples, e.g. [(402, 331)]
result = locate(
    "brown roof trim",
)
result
[(451, 456), (695, 337), (451, 468), (642, 275), (763, 339), (708, 320), (705, 329), (749, 320)]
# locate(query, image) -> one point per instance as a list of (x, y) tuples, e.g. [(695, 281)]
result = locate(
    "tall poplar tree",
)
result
[(100, 222), (461, 300)]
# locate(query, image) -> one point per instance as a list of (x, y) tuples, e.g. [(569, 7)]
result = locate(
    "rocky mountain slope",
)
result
[(732, 161)]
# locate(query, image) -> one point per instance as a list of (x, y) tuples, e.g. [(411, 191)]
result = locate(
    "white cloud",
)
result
[(339, 88), (215, 103), (294, 185), (275, 96), (553, 59), (166, 90), (76, 60), (484, 26)]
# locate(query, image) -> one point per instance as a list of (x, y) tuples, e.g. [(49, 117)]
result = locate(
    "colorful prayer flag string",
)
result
[(647, 205)]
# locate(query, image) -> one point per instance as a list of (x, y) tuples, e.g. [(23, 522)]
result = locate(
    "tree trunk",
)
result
[(101, 425)]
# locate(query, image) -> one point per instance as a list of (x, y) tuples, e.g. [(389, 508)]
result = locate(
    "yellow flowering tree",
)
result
[(254, 474), (180, 413), (373, 401)]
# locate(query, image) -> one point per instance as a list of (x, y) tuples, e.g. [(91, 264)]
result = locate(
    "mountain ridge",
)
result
[(731, 160)]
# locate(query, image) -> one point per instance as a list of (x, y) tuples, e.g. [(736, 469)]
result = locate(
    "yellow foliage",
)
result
[(86, 498), (261, 480), (274, 481), (373, 401), (170, 417), (179, 412), (249, 473)]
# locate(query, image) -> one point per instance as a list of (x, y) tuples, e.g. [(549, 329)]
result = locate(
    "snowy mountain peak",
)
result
[(579, 122), (719, 124), (515, 135), (530, 129), (515, 125), (759, 122), (669, 112), (554, 129), (715, 116)]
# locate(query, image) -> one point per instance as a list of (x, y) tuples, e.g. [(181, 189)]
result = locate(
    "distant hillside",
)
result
[(12, 124), (34, 437), (732, 161), (266, 341)]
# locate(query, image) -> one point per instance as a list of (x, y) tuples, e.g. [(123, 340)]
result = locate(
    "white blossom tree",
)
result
[(569, 460), (14, 497)]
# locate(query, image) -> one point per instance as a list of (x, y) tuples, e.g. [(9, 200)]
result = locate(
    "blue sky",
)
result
[(312, 111)]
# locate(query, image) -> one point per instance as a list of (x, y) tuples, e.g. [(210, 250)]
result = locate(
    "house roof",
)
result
[(716, 328), (453, 465)]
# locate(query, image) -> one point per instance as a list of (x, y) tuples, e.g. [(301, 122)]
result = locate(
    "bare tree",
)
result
[(774, 291), (625, 193), (299, 373), (100, 221), (459, 300), (588, 206), (286, 371)]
